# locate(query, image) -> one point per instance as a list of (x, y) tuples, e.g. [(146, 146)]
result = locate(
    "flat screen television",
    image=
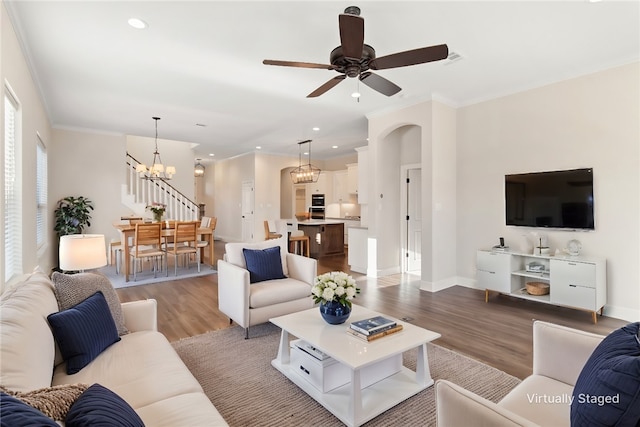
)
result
[(557, 199)]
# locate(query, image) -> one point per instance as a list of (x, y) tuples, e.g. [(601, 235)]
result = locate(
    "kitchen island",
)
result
[(326, 237)]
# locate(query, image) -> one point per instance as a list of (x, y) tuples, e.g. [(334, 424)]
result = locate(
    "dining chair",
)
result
[(115, 246), (268, 234), (211, 223), (147, 244), (185, 242)]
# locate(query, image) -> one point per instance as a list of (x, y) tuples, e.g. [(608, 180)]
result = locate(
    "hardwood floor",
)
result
[(498, 333)]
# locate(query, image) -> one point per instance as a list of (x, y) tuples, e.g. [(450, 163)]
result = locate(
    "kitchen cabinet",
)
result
[(357, 254), (326, 237), (352, 178), (340, 191), (348, 224)]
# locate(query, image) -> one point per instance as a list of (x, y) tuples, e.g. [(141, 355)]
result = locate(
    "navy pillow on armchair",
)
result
[(607, 392), (263, 264)]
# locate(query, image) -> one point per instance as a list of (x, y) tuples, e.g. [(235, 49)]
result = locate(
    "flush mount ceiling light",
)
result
[(157, 170), (198, 170), (137, 23), (304, 174)]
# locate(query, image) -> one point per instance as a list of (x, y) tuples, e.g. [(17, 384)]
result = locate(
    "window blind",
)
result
[(12, 194), (41, 194)]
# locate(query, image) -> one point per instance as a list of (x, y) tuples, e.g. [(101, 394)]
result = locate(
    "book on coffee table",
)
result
[(373, 325), (375, 336)]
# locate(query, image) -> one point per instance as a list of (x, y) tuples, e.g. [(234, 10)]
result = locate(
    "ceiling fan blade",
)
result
[(411, 57), (328, 85), (297, 64), (351, 36), (380, 84)]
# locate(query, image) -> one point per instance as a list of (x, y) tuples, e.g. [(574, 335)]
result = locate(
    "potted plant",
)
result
[(72, 214), (334, 291)]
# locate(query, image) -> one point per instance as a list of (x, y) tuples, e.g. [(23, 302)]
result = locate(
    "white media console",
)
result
[(574, 281)]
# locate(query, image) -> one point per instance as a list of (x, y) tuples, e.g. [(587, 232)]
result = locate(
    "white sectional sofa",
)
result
[(142, 368)]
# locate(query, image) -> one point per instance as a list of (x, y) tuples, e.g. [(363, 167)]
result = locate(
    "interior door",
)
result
[(247, 211), (414, 220)]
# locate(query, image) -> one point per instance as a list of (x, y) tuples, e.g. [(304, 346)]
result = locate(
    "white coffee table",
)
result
[(351, 404)]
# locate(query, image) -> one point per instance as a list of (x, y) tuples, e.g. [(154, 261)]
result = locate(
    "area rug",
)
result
[(237, 376), (145, 277)]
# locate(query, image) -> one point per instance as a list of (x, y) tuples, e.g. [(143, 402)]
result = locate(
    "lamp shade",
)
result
[(82, 252)]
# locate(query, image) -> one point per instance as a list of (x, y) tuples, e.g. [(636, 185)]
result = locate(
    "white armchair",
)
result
[(559, 354), (250, 304)]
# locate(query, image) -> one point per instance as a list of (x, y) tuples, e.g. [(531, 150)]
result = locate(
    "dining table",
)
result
[(128, 230)]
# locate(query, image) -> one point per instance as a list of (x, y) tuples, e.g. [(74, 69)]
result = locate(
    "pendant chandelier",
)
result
[(157, 170), (198, 170), (304, 174)]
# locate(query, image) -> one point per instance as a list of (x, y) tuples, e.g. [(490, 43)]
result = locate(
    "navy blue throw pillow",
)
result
[(607, 392), (99, 406), (84, 331), (16, 413), (263, 264)]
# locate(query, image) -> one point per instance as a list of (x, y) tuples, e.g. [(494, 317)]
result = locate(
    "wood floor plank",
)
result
[(498, 333)]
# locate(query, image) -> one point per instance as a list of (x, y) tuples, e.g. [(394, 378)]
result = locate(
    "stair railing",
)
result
[(146, 192)]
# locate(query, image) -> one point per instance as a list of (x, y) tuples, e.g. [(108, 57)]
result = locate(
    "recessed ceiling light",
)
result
[(334, 146), (137, 23), (258, 147), (211, 154), (316, 129)]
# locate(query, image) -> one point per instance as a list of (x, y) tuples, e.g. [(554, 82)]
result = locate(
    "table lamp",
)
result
[(80, 252)]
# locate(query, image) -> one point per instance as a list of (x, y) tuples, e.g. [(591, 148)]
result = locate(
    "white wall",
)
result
[(90, 165), (591, 121), (15, 72)]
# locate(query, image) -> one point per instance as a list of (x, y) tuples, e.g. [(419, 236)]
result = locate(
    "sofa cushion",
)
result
[(264, 294), (142, 368), (27, 349), (54, 402), (188, 409), (70, 289), (83, 331), (263, 264), (235, 255), (607, 392), (99, 406), (16, 413), (541, 400)]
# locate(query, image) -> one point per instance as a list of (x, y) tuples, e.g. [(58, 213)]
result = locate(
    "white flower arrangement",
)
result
[(334, 286)]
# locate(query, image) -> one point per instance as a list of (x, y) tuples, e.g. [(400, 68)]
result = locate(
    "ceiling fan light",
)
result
[(355, 95)]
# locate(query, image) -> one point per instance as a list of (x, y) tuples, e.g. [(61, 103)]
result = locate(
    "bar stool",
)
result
[(299, 244)]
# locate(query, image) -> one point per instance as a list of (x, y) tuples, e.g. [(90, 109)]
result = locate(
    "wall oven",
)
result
[(317, 200), (316, 212)]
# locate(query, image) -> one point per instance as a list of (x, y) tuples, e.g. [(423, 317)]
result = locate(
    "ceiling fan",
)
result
[(354, 58)]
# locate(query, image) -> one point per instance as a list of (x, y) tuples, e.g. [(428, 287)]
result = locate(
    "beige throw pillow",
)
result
[(53, 401), (72, 289)]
